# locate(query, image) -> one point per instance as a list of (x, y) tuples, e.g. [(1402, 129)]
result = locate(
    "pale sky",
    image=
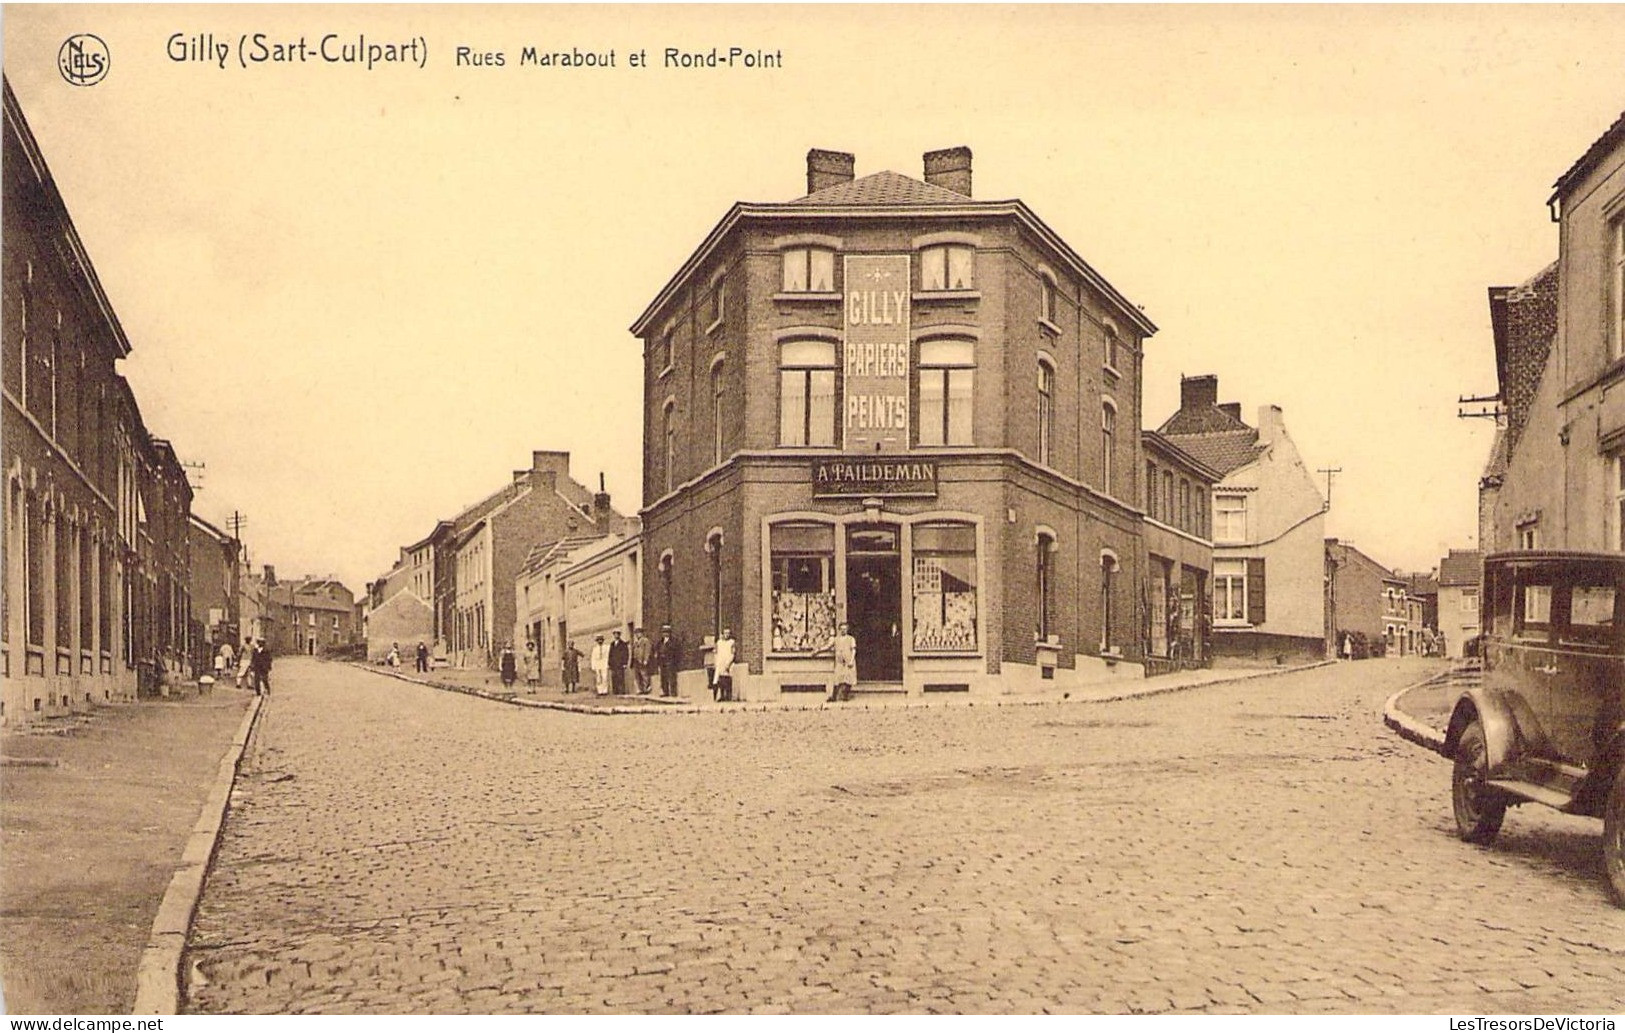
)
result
[(362, 298)]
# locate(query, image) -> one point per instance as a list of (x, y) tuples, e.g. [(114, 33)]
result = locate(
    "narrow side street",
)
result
[(1263, 846)]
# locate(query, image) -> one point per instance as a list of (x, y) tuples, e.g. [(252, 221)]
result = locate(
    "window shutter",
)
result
[(1255, 592)]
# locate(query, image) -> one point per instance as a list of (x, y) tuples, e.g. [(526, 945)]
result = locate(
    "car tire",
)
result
[(1479, 809), (1613, 839)]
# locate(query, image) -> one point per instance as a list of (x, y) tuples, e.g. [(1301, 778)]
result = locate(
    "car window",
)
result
[(1591, 615), (1533, 611)]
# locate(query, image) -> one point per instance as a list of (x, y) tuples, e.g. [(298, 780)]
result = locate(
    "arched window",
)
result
[(665, 585), (947, 372), (668, 435), (807, 392), (713, 549), (1108, 579), (1108, 444), (1045, 565), (717, 390), (1046, 411)]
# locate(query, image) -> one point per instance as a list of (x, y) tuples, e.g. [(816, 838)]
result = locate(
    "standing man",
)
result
[(619, 656), (570, 667), (667, 655), (722, 678), (261, 666), (845, 648), (643, 652), (600, 666), (423, 658)]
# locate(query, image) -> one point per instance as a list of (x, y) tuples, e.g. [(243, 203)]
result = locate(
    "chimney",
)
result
[(1199, 392), (1232, 410), (1270, 425), (827, 169), (601, 512), (949, 169)]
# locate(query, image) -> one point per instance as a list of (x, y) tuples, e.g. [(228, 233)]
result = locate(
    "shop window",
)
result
[(949, 267), (946, 384), (944, 585), (803, 601), (809, 270), (807, 393), (1046, 411)]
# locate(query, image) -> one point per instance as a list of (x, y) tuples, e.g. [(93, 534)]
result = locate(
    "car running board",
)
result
[(1554, 798)]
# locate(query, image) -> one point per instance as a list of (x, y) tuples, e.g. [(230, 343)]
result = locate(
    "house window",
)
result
[(809, 270), (1619, 502), (104, 576), (803, 599), (1046, 411), (718, 304), (1617, 274), (944, 586), (665, 353), (1184, 504), (1046, 550), (33, 573), (62, 550), (807, 393), (713, 548), (1168, 496), (1108, 579), (946, 379), (1529, 537), (668, 433), (1469, 602), (1108, 443), (1048, 299), (1201, 511), (1151, 490), (1229, 518), (1112, 349), (948, 268), (665, 584), (1230, 591), (716, 413)]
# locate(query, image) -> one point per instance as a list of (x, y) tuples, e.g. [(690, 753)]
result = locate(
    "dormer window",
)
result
[(949, 267), (809, 270)]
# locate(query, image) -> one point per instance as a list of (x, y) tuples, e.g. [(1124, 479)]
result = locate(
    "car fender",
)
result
[(1498, 713)]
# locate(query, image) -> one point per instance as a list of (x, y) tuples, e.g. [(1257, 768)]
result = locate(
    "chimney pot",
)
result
[(828, 168), (1199, 392), (949, 169), (1231, 409)]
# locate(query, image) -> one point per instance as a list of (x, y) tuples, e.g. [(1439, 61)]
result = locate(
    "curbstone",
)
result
[(158, 976), (1408, 727)]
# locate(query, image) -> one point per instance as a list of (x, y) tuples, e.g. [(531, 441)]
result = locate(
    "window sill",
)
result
[(1048, 327), (945, 654), (948, 295), (808, 296), (1232, 625), (663, 374), (711, 328), (1111, 371)]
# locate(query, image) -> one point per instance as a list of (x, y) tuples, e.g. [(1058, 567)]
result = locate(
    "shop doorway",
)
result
[(874, 600)]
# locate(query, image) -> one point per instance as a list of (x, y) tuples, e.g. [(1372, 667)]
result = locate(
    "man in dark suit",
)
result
[(260, 666), (619, 656), (667, 654)]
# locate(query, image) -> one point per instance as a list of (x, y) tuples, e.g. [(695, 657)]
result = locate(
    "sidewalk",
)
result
[(1421, 712), (488, 685), (94, 818)]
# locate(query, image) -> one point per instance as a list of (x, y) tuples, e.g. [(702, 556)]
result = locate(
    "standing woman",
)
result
[(845, 648), (722, 679), (571, 667), (533, 666)]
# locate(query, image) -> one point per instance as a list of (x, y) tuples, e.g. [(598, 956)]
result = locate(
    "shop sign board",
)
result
[(876, 365), (879, 477)]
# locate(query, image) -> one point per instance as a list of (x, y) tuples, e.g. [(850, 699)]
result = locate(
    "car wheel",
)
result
[(1613, 839), (1479, 808)]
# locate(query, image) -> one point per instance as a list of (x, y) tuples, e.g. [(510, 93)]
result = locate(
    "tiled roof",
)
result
[(1201, 419), (1611, 136), (1462, 568), (1174, 449), (1224, 451), (882, 188), (1496, 465), (541, 552), (1423, 584)]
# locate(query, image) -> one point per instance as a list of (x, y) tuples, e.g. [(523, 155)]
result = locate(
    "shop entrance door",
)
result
[(874, 600)]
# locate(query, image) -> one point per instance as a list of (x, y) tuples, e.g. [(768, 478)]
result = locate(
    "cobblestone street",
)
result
[(1259, 846)]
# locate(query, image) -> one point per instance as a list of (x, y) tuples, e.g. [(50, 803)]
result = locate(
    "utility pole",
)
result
[(1330, 472), (234, 611)]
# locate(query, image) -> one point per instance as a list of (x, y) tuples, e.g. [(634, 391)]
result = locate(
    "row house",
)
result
[(1559, 482), (492, 540), (1461, 572), (398, 608), (213, 591), (94, 603), (1365, 598), (539, 605), (890, 405), (311, 616), (1268, 524), (1176, 493)]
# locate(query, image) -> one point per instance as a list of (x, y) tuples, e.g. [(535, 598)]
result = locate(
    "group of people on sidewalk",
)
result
[(610, 662), (250, 669)]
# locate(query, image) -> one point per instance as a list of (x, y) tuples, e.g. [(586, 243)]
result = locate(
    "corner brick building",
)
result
[(891, 404)]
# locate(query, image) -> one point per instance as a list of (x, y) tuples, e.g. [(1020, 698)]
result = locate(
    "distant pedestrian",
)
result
[(231, 656), (394, 657), (261, 666), (245, 668), (845, 675), (532, 663), (722, 679), (643, 654), (667, 655), (221, 664), (423, 658), (600, 666), (619, 656), (506, 664), (570, 667)]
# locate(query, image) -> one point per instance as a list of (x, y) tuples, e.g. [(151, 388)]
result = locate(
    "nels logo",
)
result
[(83, 59)]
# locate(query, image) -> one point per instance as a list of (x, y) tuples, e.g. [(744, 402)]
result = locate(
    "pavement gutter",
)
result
[(1408, 727), (690, 708), (158, 977)]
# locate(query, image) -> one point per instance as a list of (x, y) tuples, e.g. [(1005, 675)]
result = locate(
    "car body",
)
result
[(1547, 722)]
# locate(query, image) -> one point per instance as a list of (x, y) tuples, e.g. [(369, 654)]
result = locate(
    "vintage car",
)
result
[(1547, 722)]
